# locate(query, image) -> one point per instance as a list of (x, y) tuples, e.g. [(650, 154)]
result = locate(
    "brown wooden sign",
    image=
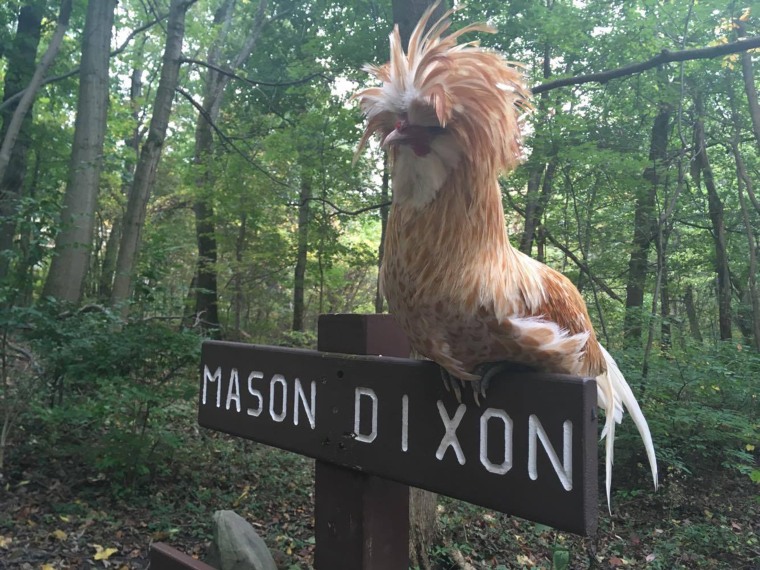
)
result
[(529, 449)]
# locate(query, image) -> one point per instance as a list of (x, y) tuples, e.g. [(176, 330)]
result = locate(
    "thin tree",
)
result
[(205, 281), (17, 118), (644, 226), (702, 173), (302, 250), (150, 155), (65, 280)]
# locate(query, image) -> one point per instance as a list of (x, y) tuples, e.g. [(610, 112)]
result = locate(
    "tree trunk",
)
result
[(406, 14), (691, 313), (665, 328), (239, 299), (150, 154), (535, 201), (384, 196), (743, 181), (534, 210), (703, 171), (206, 291), (108, 267), (14, 146), (422, 504), (752, 281), (304, 207), (749, 85), (65, 280), (643, 228)]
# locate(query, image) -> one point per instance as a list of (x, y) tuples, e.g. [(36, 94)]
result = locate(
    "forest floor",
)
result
[(58, 514)]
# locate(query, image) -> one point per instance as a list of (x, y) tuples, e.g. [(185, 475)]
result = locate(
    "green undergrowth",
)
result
[(110, 424)]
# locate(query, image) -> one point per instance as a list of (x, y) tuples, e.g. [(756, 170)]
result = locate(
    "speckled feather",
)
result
[(460, 291)]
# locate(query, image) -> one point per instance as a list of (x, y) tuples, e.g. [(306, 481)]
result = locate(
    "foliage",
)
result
[(83, 386), (111, 389), (701, 405)]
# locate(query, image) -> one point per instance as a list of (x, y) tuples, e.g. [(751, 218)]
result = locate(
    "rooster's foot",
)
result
[(486, 371), (451, 383)]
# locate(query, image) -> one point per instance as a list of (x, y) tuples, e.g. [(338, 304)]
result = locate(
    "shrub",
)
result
[(114, 389)]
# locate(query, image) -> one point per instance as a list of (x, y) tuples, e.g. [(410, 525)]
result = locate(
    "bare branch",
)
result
[(255, 82), (338, 210), (226, 140), (582, 265), (665, 56)]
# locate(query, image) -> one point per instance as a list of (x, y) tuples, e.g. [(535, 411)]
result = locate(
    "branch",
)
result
[(582, 265), (665, 56), (339, 210), (254, 82), (16, 96), (226, 140), (19, 114)]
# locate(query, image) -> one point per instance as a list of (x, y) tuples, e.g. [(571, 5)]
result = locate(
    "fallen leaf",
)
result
[(59, 534), (103, 553), (525, 560), (615, 561), (47, 567), (5, 541)]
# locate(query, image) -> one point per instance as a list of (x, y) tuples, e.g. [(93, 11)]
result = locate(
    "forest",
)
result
[(178, 170)]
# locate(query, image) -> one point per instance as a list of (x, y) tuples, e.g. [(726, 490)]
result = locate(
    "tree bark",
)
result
[(65, 280), (239, 298), (536, 204), (150, 155), (17, 118), (33, 18), (749, 85), (304, 209), (406, 14), (206, 290), (538, 192), (384, 209), (691, 313), (703, 172), (643, 228), (743, 181), (108, 267)]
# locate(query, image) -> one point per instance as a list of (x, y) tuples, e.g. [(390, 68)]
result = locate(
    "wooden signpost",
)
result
[(376, 424)]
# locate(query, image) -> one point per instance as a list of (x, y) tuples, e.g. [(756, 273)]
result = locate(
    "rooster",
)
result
[(448, 113)]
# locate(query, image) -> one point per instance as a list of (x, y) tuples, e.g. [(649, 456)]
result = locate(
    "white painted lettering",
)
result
[(565, 470), (506, 465), (278, 379), (404, 423), (450, 437), (309, 407), (233, 392), (367, 438), (216, 377), (255, 412)]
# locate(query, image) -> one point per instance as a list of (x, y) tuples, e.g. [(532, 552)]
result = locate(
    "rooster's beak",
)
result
[(394, 137)]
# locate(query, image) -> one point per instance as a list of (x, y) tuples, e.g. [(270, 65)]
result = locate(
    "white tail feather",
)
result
[(613, 393)]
